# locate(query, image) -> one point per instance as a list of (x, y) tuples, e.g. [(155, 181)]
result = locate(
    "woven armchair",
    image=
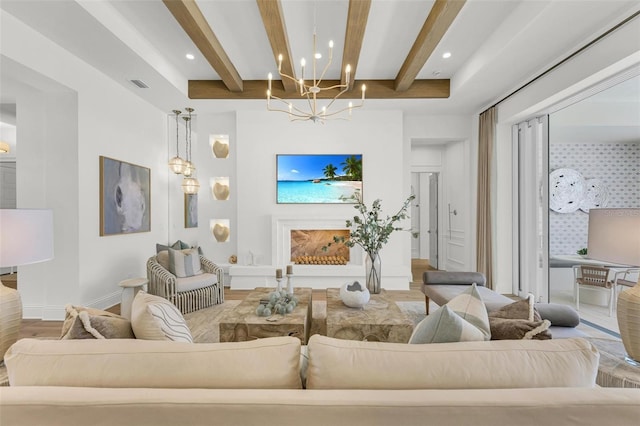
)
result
[(191, 293)]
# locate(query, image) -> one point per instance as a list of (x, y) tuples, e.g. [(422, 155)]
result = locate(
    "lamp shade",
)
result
[(614, 236), (26, 236)]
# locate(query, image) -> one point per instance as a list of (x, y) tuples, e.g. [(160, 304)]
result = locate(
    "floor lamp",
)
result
[(614, 236), (26, 236)]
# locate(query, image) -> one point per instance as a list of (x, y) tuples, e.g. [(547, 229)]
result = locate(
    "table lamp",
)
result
[(614, 236), (26, 236)]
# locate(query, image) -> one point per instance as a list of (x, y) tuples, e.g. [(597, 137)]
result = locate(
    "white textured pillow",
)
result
[(184, 263), (155, 318)]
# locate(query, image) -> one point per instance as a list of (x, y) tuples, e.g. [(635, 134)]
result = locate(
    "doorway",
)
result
[(424, 217)]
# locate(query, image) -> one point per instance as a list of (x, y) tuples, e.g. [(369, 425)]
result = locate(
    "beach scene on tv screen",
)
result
[(335, 178)]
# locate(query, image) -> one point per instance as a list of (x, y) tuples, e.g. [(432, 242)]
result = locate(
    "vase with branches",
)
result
[(371, 230)]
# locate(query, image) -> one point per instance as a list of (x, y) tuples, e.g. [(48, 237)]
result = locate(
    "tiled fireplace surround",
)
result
[(315, 276)]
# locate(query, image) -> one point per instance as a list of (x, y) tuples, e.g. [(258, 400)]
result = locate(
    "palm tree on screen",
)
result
[(353, 167), (330, 171)]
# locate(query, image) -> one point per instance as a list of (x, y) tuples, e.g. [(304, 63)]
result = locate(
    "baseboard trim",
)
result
[(57, 313)]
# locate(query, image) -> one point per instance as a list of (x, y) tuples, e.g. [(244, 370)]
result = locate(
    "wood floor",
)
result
[(39, 328)]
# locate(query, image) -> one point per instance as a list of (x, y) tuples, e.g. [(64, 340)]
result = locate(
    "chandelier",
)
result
[(190, 184), (176, 164), (310, 89)]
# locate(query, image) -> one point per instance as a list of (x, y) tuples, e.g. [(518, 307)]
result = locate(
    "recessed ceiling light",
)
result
[(446, 55), (190, 57)]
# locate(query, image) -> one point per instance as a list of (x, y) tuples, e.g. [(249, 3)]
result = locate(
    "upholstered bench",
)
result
[(442, 286)]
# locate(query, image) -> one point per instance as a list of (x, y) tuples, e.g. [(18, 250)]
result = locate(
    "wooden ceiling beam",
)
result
[(190, 18), (376, 89), (356, 24), (273, 20), (435, 26)]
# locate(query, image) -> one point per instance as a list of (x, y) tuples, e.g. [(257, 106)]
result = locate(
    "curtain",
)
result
[(484, 254)]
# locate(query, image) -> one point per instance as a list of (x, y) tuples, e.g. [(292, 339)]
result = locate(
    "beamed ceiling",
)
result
[(232, 86), (395, 47)]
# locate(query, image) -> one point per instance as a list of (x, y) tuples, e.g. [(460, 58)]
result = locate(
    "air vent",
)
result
[(141, 84)]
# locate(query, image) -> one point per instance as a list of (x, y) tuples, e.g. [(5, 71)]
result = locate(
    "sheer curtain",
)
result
[(532, 207), (484, 252)]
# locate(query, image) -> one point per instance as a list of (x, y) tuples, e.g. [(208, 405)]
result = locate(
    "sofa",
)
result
[(329, 382), (442, 286)]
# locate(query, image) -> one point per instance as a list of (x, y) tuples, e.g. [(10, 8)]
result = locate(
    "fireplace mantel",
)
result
[(314, 276)]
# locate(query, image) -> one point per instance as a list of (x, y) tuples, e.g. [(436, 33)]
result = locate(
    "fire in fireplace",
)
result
[(306, 247)]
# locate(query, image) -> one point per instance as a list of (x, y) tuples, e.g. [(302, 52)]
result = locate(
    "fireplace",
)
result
[(299, 241), (318, 247)]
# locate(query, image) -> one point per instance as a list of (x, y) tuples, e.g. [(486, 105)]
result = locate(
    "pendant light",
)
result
[(176, 164), (190, 184)]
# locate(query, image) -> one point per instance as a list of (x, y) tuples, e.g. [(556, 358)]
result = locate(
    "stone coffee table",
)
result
[(242, 323), (380, 320)]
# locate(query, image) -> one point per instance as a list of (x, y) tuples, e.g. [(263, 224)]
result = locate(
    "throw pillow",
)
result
[(89, 323), (184, 263), (464, 318), (469, 306), (519, 329), (443, 326), (178, 245), (522, 309), (155, 318)]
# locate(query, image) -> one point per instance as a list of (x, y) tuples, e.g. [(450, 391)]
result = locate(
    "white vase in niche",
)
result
[(220, 191), (220, 149), (221, 233), (354, 295)]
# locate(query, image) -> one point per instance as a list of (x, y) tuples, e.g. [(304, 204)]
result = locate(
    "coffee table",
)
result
[(380, 320), (614, 371), (242, 323)]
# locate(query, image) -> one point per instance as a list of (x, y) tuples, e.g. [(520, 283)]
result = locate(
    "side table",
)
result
[(130, 288)]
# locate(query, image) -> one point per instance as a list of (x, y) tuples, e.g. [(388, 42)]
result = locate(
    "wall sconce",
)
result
[(220, 229), (219, 145), (220, 187)]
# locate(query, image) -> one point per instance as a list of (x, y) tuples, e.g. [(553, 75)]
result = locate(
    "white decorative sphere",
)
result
[(354, 295)]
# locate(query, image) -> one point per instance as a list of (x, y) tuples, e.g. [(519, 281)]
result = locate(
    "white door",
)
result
[(433, 220), (415, 215)]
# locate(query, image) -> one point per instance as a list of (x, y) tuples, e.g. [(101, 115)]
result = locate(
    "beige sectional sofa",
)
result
[(261, 382)]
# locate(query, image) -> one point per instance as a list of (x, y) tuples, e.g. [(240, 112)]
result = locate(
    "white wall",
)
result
[(377, 135), (208, 167), (62, 135)]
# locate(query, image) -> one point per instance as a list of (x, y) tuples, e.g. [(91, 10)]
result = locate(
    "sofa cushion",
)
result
[(195, 282), (184, 263), (155, 318), (88, 323), (348, 364), (271, 363)]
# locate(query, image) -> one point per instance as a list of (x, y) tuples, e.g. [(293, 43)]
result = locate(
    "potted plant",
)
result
[(371, 231), (582, 252)]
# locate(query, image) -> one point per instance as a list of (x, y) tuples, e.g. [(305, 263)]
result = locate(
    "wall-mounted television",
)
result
[(319, 178)]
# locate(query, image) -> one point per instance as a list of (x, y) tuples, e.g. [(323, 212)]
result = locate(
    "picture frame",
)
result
[(125, 197), (190, 210), (318, 178)]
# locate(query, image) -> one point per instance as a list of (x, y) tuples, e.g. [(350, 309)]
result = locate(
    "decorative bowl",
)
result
[(354, 295)]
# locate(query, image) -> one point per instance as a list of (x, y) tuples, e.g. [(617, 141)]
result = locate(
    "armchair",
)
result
[(190, 293)]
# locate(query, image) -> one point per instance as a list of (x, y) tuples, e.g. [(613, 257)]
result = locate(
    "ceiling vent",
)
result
[(141, 84)]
